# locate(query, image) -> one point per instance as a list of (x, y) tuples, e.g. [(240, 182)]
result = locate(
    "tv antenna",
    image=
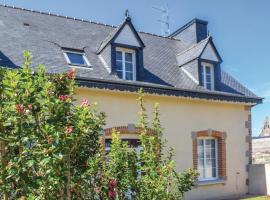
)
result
[(165, 19)]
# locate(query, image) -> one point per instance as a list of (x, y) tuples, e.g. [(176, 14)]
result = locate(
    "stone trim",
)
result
[(247, 108), (212, 182), (221, 137), (248, 153), (248, 138), (129, 129), (248, 126)]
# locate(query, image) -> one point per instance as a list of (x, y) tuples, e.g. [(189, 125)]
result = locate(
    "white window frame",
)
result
[(211, 66), (216, 152), (133, 52), (88, 64)]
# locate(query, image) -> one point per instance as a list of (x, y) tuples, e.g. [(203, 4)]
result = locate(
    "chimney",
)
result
[(192, 32)]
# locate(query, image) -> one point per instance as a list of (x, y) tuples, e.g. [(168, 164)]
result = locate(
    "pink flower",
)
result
[(71, 74), (69, 129), (84, 103), (20, 108), (63, 97), (30, 106)]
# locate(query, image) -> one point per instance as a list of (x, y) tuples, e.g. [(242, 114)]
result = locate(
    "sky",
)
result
[(240, 30)]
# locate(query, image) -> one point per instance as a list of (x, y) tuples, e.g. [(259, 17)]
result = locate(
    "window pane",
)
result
[(201, 172), (108, 143), (213, 162), (213, 153), (207, 70), (201, 163), (214, 172), (208, 79), (129, 67), (200, 142), (128, 57), (209, 86), (129, 76), (208, 172), (119, 65), (200, 152), (213, 143), (75, 58), (118, 55), (119, 74)]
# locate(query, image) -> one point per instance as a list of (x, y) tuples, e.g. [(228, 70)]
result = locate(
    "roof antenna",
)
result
[(165, 19)]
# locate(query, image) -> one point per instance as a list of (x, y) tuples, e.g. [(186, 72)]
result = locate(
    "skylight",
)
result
[(76, 58)]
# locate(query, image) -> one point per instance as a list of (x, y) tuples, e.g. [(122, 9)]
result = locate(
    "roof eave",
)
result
[(165, 90)]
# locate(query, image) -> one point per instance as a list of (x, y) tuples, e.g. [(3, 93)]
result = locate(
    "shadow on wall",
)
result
[(6, 62)]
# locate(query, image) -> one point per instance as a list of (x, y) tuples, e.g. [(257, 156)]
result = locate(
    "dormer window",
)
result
[(207, 76), (125, 64), (76, 58)]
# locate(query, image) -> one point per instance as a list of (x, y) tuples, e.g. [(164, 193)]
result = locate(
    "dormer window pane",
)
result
[(119, 55), (128, 57)]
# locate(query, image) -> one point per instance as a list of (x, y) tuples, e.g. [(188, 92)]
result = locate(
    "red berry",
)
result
[(20, 108), (112, 194), (63, 97)]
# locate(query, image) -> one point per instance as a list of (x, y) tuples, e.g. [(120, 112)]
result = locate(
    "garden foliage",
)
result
[(51, 146)]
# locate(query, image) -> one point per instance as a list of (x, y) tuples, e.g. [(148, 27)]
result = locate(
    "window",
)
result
[(207, 76), (76, 58), (207, 158), (125, 64), (132, 143)]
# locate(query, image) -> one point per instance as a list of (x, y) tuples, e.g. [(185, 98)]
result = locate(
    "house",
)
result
[(261, 145), (205, 112)]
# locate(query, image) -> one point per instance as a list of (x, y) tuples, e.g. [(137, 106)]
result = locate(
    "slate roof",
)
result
[(44, 35)]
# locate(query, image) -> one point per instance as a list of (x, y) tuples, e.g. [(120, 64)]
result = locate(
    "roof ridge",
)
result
[(81, 20), (57, 15), (193, 46)]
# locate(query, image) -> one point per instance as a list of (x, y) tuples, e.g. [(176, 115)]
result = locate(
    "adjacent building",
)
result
[(261, 145), (205, 112)]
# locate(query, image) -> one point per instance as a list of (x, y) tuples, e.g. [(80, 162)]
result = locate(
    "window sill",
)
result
[(211, 182)]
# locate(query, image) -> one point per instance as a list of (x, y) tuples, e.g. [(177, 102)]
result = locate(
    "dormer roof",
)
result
[(126, 31), (205, 49)]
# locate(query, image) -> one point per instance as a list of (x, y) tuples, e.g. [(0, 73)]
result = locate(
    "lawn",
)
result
[(256, 198)]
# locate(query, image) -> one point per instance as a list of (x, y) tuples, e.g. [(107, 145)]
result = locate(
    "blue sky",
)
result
[(240, 29)]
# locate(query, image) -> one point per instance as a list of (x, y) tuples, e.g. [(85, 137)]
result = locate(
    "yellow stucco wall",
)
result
[(179, 118)]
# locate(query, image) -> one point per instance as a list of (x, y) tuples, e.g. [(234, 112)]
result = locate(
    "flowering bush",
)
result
[(46, 141)]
